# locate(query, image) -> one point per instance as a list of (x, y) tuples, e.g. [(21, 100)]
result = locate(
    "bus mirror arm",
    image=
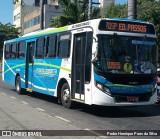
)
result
[(94, 57), (32, 59), (94, 52)]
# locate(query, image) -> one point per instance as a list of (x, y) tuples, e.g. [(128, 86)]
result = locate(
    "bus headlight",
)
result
[(103, 88), (100, 86)]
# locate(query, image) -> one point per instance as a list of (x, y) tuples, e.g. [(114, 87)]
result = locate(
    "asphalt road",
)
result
[(40, 112)]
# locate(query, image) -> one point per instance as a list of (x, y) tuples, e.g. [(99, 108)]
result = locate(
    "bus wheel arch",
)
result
[(64, 93)]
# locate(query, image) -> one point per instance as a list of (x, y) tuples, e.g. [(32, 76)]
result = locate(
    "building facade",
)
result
[(32, 20), (27, 14), (17, 13)]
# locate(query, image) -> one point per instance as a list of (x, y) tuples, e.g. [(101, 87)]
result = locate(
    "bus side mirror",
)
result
[(158, 72), (32, 59), (94, 51)]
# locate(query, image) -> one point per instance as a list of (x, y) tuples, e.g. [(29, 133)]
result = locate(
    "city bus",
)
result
[(107, 62)]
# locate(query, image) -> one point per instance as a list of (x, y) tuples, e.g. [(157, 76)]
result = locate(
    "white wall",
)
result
[(17, 16)]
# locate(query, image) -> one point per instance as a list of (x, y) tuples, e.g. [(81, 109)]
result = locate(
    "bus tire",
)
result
[(66, 96), (18, 85)]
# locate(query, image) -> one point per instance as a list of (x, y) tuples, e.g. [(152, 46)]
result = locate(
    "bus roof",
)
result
[(69, 27), (128, 19)]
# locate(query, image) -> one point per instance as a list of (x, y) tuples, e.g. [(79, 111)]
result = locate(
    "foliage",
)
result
[(74, 12), (96, 13), (115, 11), (149, 10), (10, 31)]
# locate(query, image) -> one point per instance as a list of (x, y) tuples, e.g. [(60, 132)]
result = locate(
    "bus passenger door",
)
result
[(29, 65), (81, 65)]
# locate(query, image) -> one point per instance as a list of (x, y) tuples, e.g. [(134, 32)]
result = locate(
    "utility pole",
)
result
[(132, 9), (90, 3), (42, 14), (2, 38), (89, 9)]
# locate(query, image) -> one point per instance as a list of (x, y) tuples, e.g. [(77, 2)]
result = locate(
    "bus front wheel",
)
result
[(65, 96), (18, 85)]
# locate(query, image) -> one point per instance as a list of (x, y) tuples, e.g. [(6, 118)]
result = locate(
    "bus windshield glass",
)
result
[(126, 54)]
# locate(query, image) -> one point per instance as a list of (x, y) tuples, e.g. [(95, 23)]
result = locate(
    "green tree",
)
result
[(11, 33), (74, 12), (114, 11), (149, 10)]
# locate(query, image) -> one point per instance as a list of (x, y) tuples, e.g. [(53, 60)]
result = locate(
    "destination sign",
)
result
[(125, 26)]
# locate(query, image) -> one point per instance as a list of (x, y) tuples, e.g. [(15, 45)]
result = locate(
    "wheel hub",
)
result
[(66, 95)]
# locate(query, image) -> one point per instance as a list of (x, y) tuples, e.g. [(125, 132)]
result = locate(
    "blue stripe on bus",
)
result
[(124, 89)]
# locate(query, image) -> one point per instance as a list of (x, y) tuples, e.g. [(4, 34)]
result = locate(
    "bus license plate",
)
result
[(132, 99)]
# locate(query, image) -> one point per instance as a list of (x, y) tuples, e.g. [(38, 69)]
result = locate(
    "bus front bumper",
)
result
[(100, 98)]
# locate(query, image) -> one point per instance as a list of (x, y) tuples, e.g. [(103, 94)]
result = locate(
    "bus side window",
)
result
[(7, 51), (18, 52), (13, 51), (40, 47), (51, 46), (64, 45), (21, 50), (10, 51)]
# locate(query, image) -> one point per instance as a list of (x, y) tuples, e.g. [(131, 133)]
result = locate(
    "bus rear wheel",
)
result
[(18, 85), (66, 96)]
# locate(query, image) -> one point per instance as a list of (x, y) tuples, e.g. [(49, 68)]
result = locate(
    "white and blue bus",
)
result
[(109, 62)]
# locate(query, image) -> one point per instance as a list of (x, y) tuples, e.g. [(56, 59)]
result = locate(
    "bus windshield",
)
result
[(126, 54)]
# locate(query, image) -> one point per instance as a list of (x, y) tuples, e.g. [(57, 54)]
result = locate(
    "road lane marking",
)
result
[(12, 97), (49, 115), (40, 109), (24, 102), (96, 133), (4, 94), (63, 119)]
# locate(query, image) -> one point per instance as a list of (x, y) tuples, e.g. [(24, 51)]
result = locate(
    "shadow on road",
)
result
[(121, 112), (39, 96), (104, 111)]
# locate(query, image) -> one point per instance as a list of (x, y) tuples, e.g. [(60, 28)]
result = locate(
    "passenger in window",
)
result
[(124, 57), (127, 58), (147, 67)]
